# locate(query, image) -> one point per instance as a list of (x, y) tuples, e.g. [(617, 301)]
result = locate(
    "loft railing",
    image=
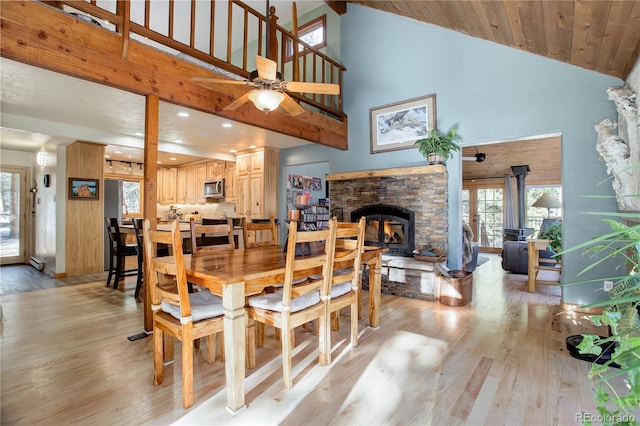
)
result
[(205, 31)]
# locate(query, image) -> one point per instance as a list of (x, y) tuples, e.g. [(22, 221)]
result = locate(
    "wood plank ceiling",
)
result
[(602, 36)]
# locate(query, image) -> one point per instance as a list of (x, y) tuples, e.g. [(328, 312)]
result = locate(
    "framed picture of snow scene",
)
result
[(398, 126)]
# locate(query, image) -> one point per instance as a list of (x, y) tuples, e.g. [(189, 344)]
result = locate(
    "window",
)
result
[(536, 214), (313, 33), (131, 193)]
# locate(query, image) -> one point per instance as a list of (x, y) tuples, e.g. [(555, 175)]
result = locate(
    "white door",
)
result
[(13, 184)]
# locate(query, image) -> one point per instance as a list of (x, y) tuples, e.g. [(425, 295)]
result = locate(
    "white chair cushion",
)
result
[(340, 289), (273, 301), (203, 305)]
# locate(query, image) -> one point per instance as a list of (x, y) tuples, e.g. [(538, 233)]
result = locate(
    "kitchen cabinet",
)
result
[(200, 171), (186, 185), (215, 170), (230, 183), (167, 179), (257, 184)]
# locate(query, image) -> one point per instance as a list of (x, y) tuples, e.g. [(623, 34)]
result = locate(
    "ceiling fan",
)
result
[(269, 89), (479, 157)]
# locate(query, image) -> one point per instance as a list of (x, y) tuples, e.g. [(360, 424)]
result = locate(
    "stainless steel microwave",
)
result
[(214, 189)]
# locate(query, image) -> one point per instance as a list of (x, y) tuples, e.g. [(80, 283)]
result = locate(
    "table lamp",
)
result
[(548, 201)]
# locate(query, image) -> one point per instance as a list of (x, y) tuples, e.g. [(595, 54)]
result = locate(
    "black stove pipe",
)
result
[(520, 172)]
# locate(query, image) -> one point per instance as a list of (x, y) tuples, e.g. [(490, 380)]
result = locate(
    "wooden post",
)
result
[(123, 10), (150, 205)]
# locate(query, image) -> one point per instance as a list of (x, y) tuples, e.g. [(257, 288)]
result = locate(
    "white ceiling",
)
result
[(38, 106)]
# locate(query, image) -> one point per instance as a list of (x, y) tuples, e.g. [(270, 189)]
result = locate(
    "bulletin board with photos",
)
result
[(306, 203)]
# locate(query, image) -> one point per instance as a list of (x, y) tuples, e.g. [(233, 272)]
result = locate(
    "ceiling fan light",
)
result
[(266, 100)]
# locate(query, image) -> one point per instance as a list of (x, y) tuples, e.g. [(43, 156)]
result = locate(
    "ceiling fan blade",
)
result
[(468, 158), (212, 83), (238, 102), (322, 88), (291, 106), (266, 68)]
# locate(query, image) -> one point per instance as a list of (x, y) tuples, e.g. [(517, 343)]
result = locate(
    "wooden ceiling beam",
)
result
[(339, 7)]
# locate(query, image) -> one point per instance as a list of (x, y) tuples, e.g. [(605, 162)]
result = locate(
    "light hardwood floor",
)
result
[(500, 360)]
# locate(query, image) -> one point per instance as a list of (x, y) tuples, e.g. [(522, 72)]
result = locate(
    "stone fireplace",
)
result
[(413, 202)]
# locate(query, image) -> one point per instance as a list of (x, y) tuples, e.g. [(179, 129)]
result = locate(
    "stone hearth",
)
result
[(420, 189)]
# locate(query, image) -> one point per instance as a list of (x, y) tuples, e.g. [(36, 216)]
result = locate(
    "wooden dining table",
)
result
[(236, 274)]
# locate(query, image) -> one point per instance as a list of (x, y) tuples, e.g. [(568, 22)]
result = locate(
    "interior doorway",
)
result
[(13, 184), (484, 198)]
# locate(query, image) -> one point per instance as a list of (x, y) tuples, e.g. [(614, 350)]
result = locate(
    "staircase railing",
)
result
[(179, 30)]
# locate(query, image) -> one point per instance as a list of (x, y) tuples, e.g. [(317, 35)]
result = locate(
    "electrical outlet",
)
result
[(608, 285)]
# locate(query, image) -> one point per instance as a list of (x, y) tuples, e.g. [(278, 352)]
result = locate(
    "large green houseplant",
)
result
[(621, 312), (437, 147)]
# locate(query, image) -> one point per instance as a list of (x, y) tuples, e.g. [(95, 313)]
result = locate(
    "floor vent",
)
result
[(36, 263)]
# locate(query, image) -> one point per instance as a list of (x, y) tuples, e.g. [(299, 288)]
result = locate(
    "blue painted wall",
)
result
[(493, 92)]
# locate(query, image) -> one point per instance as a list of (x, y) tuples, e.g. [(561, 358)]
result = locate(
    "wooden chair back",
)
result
[(343, 285), (258, 229), (347, 261), (115, 236), (167, 280), (138, 224), (199, 233), (302, 266)]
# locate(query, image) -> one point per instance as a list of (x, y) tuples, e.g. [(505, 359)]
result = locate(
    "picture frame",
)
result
[(397, 126), (84, 189)]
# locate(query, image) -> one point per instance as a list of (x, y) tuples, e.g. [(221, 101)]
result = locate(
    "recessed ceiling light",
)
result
[(232, 150), (138, 134), (178, 140), (158, 162), (252, 146), (117, 152), (173, 158), (227, 125), (107, 156), (183, 114)]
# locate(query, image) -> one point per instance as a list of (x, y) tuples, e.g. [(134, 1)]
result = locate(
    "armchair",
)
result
[(515, 254)]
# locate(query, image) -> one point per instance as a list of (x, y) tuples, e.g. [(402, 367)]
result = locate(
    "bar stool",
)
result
[(119, 251), (138, 223)]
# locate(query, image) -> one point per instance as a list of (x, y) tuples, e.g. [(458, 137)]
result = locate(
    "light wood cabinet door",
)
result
[(243, 164), (215, 170), (256, 162), (185, 186), (159, 184), (230, 183), (169, 185), (200, 178), (243, 196), (256, 198)]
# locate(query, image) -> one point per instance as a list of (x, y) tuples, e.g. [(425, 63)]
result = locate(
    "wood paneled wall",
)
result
[(85, 224)]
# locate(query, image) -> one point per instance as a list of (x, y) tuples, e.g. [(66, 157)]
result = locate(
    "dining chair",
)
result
[(343, 286), (258, 229), (176, 312), (118, 253), (297, 303), (138, 223), (220, 221), (207, 238)]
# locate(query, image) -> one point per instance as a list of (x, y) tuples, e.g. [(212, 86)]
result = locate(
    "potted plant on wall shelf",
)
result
[(437, 147)]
